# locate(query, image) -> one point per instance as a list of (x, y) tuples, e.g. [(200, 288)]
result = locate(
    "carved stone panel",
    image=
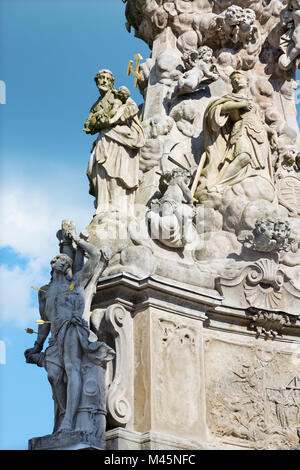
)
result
[(263, 284), (253, 393), (171, 379), (176, 345)]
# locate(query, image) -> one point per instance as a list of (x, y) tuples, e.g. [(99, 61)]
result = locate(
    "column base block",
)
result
[(123, 439), (73, 440)]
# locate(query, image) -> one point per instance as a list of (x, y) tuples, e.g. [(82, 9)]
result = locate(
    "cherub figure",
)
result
[(199, 69), (264, 235), (245, 29), (229, 25), (119, 109), (236, 27), (269, 235), (290, 40), (177, 191), (100, 119), (171, 216), (156, 132), (282, 233), (261, 238)]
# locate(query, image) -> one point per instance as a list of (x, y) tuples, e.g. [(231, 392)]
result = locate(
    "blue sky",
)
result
[(50, 53)]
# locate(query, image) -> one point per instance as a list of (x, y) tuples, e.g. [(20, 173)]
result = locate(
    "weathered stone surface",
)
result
[(184, 340), (113, 166), (219, 117), (253, 391), (121, 439), (198, 203), (72, 440), (75, 359)]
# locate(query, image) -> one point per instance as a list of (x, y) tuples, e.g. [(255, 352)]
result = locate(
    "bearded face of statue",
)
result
[(105, 82)]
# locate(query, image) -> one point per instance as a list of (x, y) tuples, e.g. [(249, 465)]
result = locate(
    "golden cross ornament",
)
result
[(135, 72)]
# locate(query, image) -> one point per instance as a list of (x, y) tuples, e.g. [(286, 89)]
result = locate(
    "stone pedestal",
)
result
[(73, 440), (117, 439), (204, 321), (166, 395), (196, 373)]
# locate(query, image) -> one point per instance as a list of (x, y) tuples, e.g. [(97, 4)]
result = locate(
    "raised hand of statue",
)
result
[(69, 230)]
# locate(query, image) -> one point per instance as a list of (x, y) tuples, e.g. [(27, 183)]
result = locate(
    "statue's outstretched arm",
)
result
[(32, 355), (43, 330), (86, 272), (232, 105), (91, 264)]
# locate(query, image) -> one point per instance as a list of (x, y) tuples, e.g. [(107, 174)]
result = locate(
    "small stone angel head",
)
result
[(290, 156), (248, 16), (123, 94), (265, 228), (157, 126), (62, 263), (205, 53), (177, 174), (233, 15), (104, 80), (190, 58), (282, 230)]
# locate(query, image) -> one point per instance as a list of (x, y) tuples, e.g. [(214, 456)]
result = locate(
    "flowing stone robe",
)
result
[(225, 140), (113, 169)]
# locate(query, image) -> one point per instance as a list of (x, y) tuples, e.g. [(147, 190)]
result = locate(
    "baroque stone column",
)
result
[(163, 374), (194, 297)]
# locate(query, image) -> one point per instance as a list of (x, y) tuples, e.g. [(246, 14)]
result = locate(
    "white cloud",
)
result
[(16, 294), (30, 220)]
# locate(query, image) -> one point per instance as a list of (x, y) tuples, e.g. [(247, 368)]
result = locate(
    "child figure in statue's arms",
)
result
[(103, 118)]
